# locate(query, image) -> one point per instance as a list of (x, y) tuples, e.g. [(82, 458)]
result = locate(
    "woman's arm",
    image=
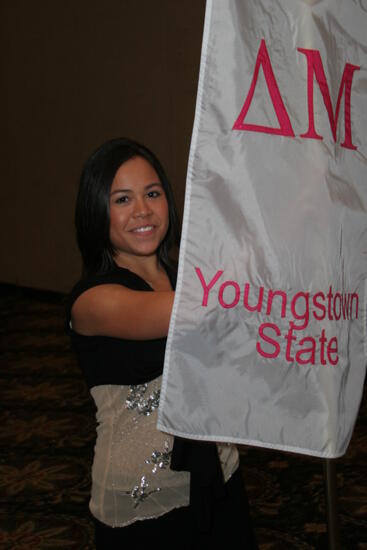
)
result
[(117, 311)]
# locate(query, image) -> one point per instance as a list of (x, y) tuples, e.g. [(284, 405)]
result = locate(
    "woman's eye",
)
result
[(122, 199), (153, 194)]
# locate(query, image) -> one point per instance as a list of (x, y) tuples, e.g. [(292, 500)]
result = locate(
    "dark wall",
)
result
[(75, 73)]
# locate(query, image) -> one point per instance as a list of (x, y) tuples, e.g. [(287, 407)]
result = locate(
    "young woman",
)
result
[(145, 488)]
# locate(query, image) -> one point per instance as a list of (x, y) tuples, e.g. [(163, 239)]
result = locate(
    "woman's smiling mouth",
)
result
[(143, 229)]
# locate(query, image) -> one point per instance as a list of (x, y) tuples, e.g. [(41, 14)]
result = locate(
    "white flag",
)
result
[(267, 344)]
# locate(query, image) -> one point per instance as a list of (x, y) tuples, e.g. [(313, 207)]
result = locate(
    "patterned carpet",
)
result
[(47, 437)]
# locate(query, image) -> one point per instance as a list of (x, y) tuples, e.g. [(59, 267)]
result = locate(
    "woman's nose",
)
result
[(142, 208)]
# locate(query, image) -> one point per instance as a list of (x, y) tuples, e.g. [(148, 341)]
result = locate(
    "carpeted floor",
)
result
[(47, 437)]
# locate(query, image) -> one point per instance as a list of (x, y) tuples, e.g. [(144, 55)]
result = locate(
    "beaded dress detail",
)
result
[(133, 480)]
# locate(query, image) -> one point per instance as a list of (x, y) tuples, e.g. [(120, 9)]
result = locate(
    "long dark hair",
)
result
[(92, 212)]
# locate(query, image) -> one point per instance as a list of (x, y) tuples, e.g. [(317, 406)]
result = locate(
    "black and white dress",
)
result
[(131, 475)]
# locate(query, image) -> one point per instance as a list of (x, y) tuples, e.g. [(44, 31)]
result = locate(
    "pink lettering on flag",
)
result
[(315, 67), (237, 294), (207, 287), (285, 129)]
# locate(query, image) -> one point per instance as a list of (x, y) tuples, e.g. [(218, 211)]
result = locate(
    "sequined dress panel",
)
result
[(131, 476)]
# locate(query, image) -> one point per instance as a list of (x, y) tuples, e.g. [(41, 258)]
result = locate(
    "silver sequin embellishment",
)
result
[(140, 492), (160, 460), (137, 400)]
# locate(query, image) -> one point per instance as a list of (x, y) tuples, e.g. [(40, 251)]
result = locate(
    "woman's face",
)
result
[(139, 215)]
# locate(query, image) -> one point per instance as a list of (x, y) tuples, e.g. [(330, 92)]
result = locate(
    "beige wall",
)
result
[(75, 73)]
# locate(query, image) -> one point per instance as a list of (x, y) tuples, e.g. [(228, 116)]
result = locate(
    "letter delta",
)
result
[(315, 70)]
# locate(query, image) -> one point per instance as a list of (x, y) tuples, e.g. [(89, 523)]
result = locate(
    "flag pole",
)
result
[(332, 504)]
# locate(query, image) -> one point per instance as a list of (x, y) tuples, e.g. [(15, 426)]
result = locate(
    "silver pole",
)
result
[(332, 504)]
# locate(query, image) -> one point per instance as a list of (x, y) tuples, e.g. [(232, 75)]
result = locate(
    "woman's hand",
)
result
[(116, 311)]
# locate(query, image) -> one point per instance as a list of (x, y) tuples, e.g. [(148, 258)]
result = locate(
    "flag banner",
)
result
[(267, 342)]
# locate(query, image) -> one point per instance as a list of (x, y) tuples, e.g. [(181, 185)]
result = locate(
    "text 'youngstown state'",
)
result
[(303, 307)]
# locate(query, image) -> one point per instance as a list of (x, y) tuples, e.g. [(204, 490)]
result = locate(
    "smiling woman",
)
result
[(138, 211), (125, 217), (118, 317), (139, 223)]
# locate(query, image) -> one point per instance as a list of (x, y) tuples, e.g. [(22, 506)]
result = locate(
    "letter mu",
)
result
[(314, 68)]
